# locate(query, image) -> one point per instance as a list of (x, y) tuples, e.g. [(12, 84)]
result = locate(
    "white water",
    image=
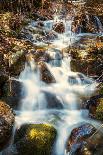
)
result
[(70, 88), (70, 93)]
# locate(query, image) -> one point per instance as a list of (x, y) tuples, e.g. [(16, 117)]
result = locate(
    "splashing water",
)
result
[(70, 88), (69, 92)]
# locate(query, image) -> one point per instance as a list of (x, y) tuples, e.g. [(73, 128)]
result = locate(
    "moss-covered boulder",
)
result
[(99, 110), (6, 124), (35, 139)]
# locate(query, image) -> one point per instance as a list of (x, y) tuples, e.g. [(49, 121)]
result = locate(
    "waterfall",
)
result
[(70, 88)]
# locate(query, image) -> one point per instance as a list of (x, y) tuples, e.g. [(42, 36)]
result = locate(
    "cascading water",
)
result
[(70, 88)]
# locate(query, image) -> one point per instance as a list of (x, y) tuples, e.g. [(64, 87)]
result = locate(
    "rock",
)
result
[(59, 27), (3, 79), (91, 64), (16, 68), (12, 93), (40, 24), (41, 55), (79, 134), (92, 104), (6, 124), (35, 139), (53, 102), (86, 140), (99, 110), (46, 76)]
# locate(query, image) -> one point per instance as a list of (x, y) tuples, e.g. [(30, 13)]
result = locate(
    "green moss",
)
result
[(99, 111), (101, 90), (35, 139)]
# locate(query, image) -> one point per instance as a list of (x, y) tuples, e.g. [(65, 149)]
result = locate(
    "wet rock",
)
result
[(40, 24), (12, 88), (85, 23), (59, 27), (12, 93), (46, 76), (41, 55), (86, 140), (79, 134), (6, 124), (36, 16), (53, 102), (36, 139)]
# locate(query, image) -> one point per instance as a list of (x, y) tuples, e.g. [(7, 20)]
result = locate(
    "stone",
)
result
[(41, 55), (46, 75), (18, 64), (53, 102), (12, 93), (59, 27), (86, 140), (6, 124), (92, 104), (36, 139), (99, 110)]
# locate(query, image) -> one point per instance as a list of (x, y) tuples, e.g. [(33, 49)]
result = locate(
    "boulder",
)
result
[(46, 75), (41, 55), (35, 139), (59, 27), (53, 102), (86, 140), (17, 64), (91, 64), (93, 104), (12, 93), (99, 110), (6, 124), (3, 79)]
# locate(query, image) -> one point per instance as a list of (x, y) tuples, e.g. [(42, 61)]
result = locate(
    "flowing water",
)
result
[(69, 89)]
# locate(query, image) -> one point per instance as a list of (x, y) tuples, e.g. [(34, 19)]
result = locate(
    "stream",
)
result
[(69, 89)]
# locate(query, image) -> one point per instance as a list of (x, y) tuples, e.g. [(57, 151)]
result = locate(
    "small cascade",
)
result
[(70, 87), (31, 84)]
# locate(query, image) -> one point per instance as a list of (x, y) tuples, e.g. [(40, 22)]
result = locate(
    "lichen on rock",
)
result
[(35, 139)]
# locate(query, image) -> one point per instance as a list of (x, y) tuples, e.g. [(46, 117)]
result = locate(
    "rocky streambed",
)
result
[(51, 90)]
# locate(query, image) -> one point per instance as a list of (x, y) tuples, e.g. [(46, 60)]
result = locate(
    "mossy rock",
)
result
[(17, 67), (99, 111), (35, 139), (101, 90)]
